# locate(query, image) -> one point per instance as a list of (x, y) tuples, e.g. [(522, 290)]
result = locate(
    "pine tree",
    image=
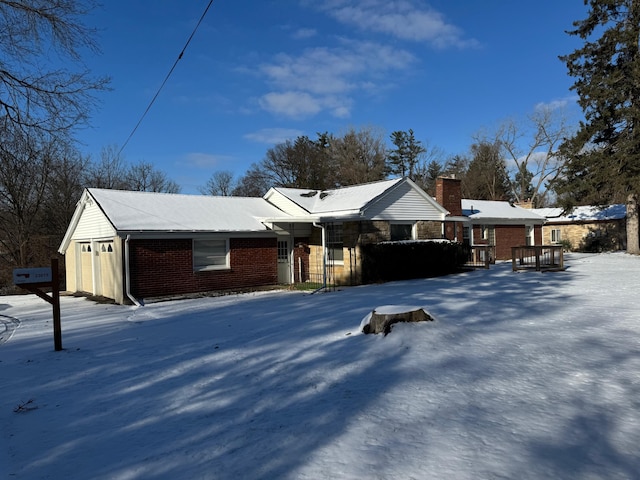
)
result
[(404, 159), (603, 158)]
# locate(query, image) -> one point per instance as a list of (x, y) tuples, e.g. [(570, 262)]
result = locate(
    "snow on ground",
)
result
[(521, 376)]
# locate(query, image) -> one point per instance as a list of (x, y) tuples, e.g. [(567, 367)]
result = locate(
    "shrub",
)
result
[(387, 261)]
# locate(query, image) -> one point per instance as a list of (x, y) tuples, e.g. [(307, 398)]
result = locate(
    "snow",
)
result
[(496, 210), (152, 211), (522, 375), (586, 213), (352, 198)]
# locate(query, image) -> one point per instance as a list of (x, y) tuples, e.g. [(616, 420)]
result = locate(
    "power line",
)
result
[(166, 78)]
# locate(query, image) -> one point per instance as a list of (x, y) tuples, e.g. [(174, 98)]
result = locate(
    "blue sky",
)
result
[(259, 72)]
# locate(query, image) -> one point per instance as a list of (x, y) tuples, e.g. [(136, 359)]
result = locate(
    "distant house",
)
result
[(133, 245), (499, 225), (586, 228)]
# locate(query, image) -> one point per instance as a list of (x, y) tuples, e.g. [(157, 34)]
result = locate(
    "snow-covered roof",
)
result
[(585, 213), (345, 199), (505, 212), (146, 211)]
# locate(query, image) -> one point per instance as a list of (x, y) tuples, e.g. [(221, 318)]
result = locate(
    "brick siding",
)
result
[(164, 267)]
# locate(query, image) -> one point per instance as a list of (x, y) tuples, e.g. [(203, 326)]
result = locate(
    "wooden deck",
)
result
[(537, 257)]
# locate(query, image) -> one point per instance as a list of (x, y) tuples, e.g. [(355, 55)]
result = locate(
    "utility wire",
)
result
[(166, 78)]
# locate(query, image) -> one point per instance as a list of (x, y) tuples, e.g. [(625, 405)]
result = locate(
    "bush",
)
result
[(387, 261)]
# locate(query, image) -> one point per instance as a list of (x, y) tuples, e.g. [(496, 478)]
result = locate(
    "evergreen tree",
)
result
[(404, 159), (487, 178), (603, 158)]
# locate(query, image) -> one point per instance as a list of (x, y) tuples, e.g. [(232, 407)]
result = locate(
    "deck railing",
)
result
[(481, 256), (537, 257)]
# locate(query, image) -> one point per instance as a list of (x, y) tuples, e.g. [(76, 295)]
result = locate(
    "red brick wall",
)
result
[(301, 255), (449, 194), (507, 236), (164, 267)]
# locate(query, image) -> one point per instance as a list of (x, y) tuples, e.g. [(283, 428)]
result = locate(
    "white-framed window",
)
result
[(529, 235), (555, 235), (402, 231), (210, 254), (489, 234)]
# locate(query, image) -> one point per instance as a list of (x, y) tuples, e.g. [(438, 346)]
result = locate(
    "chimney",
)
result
[(449, 194), (528, 204)]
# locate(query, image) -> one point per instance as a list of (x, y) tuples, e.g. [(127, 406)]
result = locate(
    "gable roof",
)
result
[(147, 211), (498, 212), (336, 200), (344, 201), (585, 213)]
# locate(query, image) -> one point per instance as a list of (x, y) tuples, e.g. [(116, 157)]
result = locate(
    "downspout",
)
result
[(128, 273), (324, 254)]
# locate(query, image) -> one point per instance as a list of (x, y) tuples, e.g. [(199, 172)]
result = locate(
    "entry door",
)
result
[(530, 239), (284, 262)]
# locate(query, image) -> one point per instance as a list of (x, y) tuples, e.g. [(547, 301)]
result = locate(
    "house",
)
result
[(495, 224), (126, 245), (587, 228), (133, 245)]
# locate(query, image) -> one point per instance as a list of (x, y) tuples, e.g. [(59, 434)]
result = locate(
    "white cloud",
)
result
[(303, 33), (325, 78), (291, 104), (273, 136), (204, 160), (558, 104), (403, 19)]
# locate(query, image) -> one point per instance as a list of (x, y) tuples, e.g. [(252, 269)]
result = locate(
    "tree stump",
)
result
[(381, 319)]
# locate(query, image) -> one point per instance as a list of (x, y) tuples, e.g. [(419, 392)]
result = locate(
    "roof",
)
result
[(147, 211), (586, 213), (344, 199), (500, 212)]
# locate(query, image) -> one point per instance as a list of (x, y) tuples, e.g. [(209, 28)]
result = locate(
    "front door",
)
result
[(284, 262)]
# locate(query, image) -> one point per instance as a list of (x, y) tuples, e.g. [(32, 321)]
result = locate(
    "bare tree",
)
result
[(221, 183), (63, 189), (40, 43), (110, 171), (26, 162), (532, 147), (144, 177), (254, 183), (360, 156)]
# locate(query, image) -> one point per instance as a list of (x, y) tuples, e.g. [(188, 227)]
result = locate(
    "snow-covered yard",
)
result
[(521, 376)]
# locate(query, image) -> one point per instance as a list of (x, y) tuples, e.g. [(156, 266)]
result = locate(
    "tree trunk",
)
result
[(633, 225)]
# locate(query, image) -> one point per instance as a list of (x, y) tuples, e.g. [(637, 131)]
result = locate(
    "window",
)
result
[(555, 235), (335, 244), (210, 254), (489, 234), (529, 235), (401, 231)]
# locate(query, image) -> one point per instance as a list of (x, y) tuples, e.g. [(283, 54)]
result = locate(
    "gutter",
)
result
[(128, 273)]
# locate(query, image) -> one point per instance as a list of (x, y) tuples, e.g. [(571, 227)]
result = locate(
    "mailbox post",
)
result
[(33, 279)]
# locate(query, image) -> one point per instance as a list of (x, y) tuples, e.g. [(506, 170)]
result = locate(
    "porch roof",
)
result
[(498, 212)]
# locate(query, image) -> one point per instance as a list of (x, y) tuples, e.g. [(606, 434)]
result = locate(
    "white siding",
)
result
[(93, 224), (403, 204), (286, 205)]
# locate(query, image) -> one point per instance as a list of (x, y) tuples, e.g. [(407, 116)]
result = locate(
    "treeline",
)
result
[(363, 155), (41, 180)]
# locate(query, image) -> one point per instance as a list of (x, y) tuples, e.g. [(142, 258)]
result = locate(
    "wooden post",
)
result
[(22, 278), (55, 297)]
